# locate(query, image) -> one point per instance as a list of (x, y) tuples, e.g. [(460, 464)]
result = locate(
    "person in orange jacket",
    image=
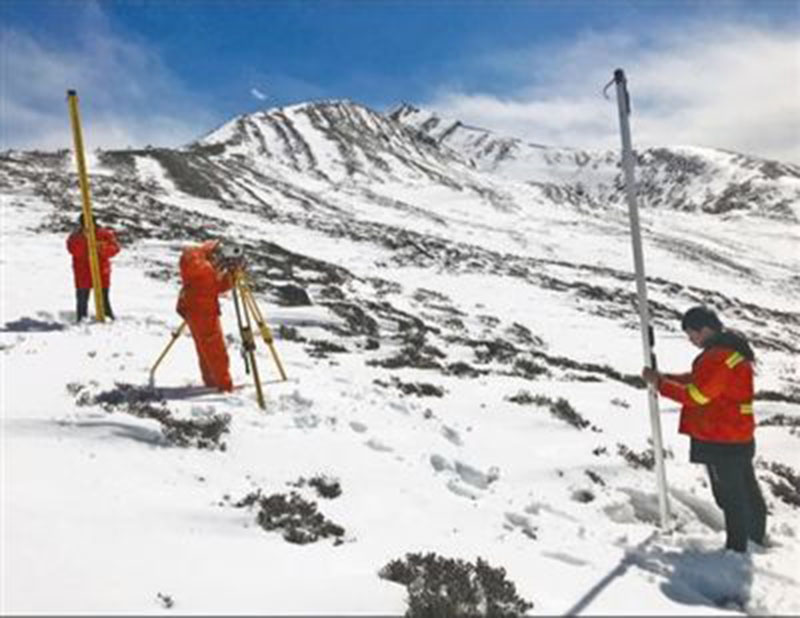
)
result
[(717, 414), (78, 246), (206, 272)]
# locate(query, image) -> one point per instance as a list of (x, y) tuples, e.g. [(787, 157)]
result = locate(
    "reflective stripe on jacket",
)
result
[(717, 396), (78, 246)]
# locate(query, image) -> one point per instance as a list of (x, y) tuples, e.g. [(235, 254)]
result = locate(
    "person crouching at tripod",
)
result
[(206, 272)]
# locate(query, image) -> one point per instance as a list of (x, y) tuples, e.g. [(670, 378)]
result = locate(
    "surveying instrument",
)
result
[(247, 314)]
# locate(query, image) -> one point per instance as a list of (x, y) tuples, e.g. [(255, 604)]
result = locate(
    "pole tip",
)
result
[(619, 75), (72, 93)]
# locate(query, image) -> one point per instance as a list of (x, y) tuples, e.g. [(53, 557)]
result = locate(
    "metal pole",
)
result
[(648, 339), (248, 340), (239, 324), (88, 219)]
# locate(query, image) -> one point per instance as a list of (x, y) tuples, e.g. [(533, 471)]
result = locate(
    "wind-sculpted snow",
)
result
[(456, 312), (682, 178)]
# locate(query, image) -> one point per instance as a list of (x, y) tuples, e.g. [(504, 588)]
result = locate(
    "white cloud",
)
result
[(258, 94), (127, 96), (730, 86)]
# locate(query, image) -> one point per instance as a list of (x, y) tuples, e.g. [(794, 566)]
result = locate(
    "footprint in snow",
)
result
[(523, 522), (468, 474), (451, 435), (467, 479), (295, 401), (699, 508), (400, 407), (379, 446), (358, 427), (439, 463), (459, 490), (536, 507), (307, 421), (561, 556), (476, 478)]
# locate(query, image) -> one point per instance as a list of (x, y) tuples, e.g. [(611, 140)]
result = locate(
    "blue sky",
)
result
[(165, 72)]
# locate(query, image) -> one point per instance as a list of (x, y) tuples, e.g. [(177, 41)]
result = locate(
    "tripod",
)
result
[(245, 316), (247, 312)]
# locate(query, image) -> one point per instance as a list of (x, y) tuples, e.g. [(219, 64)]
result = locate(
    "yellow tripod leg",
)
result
[(175, 336), (266, 333), (257, 379), (249, 342)]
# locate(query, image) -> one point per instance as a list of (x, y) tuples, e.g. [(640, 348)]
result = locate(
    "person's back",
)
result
[(203, 281), (718, 403)]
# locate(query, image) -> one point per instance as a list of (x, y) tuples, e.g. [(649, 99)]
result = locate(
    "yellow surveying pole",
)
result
[(88, 220)]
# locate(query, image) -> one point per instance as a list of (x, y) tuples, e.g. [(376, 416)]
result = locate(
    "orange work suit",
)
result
[(198, 304), (78, 246)]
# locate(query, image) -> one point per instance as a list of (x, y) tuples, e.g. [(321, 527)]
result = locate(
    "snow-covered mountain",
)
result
[(456, 312), (681, 178)]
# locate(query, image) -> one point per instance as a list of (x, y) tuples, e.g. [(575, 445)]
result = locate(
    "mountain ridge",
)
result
[(341, 171), (464, 356)]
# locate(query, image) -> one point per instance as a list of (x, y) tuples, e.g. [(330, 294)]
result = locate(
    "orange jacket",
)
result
[(202, 282), (717, 396), (78, 246)]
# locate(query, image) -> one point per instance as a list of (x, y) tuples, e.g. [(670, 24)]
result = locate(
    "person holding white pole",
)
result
[(717, 413)]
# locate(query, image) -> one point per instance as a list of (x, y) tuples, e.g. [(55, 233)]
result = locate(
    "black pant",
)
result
[(736, 491), (82, 297)]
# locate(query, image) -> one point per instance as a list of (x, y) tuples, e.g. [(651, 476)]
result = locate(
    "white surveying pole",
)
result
[(648, 339)]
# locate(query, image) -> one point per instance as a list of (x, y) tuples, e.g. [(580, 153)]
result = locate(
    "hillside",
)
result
[(456, 313)]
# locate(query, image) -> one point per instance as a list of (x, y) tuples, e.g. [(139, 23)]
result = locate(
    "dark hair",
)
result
[(732, 339), (94, 220), (698, 317)]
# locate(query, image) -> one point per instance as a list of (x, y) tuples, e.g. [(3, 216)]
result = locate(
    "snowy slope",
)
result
[(680, 177), (456, 298)]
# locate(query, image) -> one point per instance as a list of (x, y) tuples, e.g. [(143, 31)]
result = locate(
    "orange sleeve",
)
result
[(207, 248), (680, 378), (107, 245), (672, 390), (77, 245), (224, 281), (709, 380), (197, 268), (199, 272)]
